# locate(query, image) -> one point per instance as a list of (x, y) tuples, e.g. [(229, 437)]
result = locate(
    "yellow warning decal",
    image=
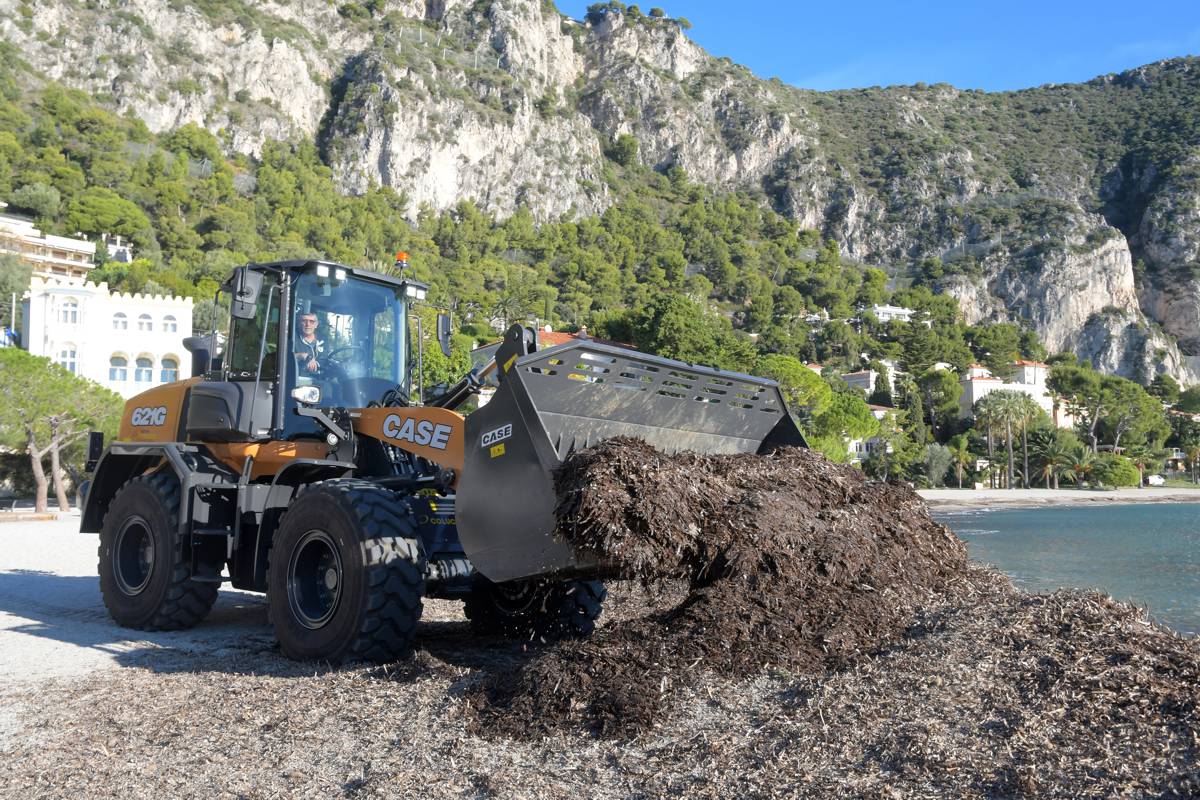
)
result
[(497, 450), (510, 361)]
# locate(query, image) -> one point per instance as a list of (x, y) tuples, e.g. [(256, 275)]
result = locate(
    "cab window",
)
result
[(246, 337), (349, 339)]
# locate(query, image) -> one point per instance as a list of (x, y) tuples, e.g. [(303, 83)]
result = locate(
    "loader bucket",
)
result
[(565, 398)]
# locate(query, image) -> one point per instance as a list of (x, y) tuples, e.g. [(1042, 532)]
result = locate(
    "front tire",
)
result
[(535, 608), (145, 575), (346, 575)]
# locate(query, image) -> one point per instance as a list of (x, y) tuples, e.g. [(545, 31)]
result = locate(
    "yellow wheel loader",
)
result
[(298, 462)]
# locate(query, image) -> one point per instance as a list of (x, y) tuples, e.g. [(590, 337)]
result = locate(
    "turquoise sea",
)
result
[(1147, 554)]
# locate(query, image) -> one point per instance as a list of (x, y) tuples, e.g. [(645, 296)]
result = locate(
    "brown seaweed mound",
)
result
[(789, 561)]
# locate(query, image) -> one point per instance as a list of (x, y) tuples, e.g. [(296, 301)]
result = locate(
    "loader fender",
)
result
[(124, 461), (121, 463)]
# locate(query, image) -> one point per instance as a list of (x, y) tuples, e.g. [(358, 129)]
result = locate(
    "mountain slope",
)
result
[(1034, 206)]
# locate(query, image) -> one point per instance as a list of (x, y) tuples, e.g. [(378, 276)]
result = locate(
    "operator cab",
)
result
[(304, 333)]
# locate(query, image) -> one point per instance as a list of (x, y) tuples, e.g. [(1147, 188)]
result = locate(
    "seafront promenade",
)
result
[(966, 499)]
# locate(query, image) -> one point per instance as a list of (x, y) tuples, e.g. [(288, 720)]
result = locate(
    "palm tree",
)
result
[(1142, 457), (1008, 405), (1055, 459), (960, 455), (1029, 411), (986, 415), (1193, 460), (1082, 464)]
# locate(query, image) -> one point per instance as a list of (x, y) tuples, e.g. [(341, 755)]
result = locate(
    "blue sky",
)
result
[(973, 44)]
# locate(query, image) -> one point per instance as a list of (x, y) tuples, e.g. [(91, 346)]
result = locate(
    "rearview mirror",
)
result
[(443, 333), (246, 286)]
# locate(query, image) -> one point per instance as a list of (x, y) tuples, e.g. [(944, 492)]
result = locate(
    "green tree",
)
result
[(99, 210), (1130, 413), (804, 390), (15, 276), (1001, 410), (961, 456), (1192, 454), (940, 391), (1082, 464), (1165, 388), (1055, 460), (1116, 471), (847, 417), (624, 150), (937, 461), (1083, 392), (37, 198), (997, 346), (1142, 457), (44, 410), (1189, 400), (921, 348), (1027, 412)]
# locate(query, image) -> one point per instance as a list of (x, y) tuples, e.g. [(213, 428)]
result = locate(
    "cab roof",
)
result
[(359, 272)]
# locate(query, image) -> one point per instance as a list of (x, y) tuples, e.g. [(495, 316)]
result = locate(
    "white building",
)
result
[(859, 449), (119, 249), (51, 256), (868, 379), (127, 342), (890, 313), (1029, 378), (863, 379)]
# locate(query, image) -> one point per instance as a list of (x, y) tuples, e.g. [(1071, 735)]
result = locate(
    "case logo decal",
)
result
[(424, 433), (497, 435), (146, 415)]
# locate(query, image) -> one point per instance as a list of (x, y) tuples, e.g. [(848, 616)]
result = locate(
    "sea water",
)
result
[(1148, 554)]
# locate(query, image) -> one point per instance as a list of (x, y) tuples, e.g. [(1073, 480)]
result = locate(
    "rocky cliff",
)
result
[(1075, 208)]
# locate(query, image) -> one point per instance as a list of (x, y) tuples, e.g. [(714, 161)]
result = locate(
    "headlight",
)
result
[(309, 395), (322, 271)]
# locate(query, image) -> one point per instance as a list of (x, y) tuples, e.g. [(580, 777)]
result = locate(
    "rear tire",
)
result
[(145, 574), (535, 608), (346, 575)]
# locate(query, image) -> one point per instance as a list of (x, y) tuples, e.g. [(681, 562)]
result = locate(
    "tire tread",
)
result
[(394, 565), (186, 602)]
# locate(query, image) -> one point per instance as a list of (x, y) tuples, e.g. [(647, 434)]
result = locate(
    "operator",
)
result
[(310, 351)]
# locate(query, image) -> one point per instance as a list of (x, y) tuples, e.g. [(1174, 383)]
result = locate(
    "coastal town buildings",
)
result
[(51, 256), (127, 342), (1029, 377)]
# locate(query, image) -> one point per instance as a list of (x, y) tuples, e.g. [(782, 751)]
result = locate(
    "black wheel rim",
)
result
[(315, 578), (133, 556), (517, 597)]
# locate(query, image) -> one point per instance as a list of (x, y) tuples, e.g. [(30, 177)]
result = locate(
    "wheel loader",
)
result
[(300, 462)]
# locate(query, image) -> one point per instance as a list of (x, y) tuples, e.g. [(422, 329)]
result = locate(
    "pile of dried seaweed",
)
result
[(790, 561)]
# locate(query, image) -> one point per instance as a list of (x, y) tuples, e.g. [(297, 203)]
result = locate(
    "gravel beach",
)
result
[(995, 693)]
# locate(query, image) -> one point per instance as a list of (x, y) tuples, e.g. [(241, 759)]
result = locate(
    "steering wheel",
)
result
[(358, 353)]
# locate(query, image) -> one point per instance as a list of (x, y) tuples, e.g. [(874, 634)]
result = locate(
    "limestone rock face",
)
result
[(1168, 239), (259, 78), (509, 103), (1080, 295)]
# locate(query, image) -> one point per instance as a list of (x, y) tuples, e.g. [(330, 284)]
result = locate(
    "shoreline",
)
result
[(941, 500)]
